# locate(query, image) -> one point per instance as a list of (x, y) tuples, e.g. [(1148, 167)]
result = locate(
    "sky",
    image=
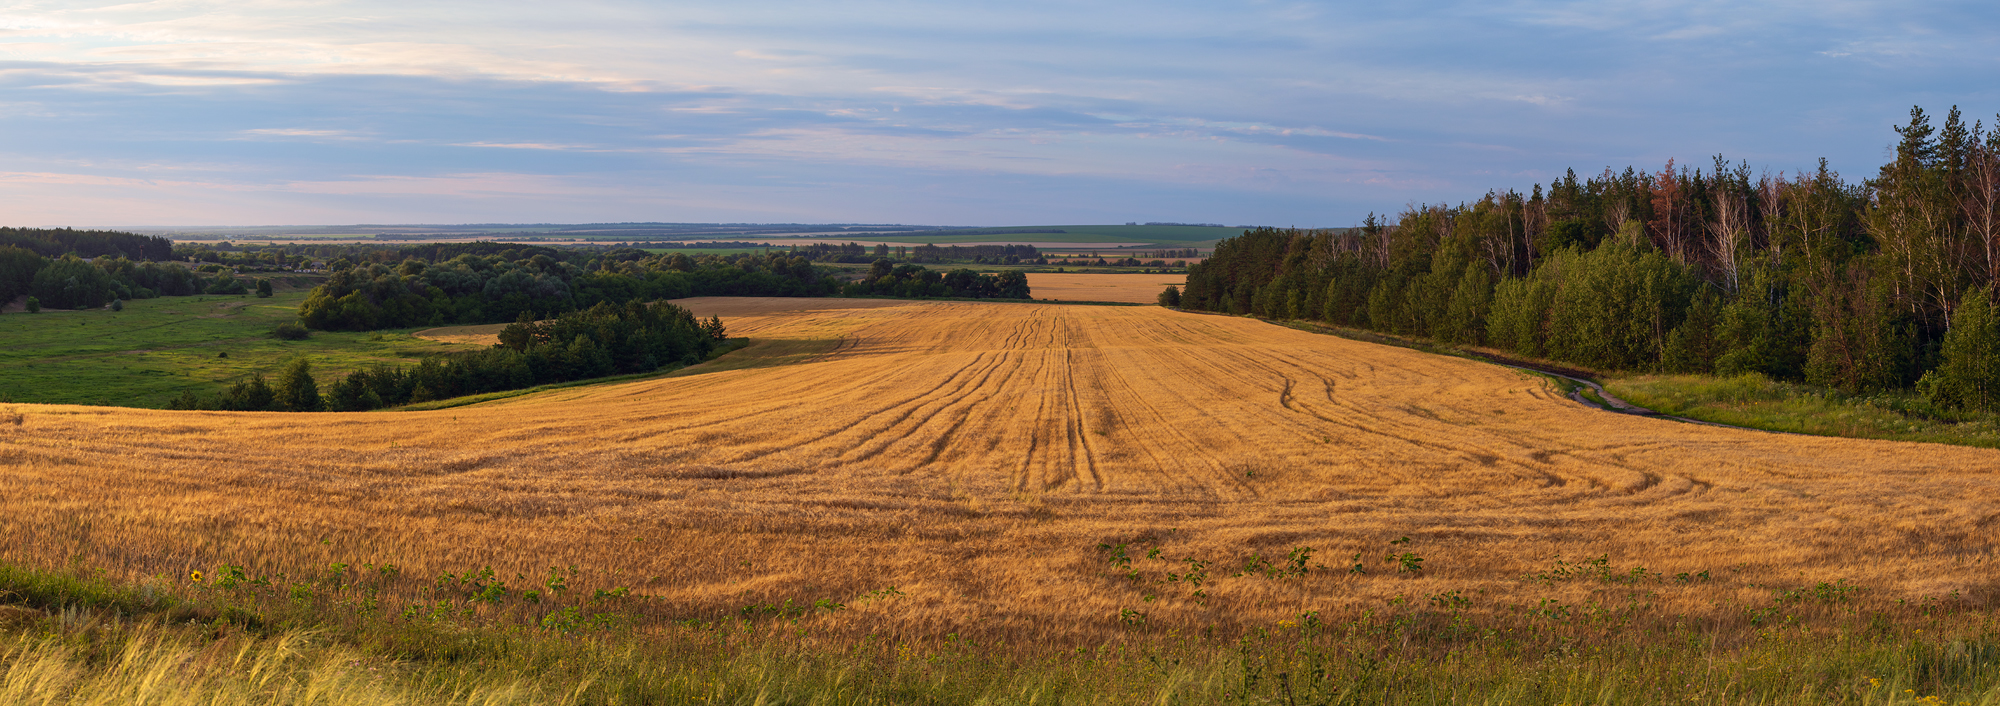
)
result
[(1309, 114)]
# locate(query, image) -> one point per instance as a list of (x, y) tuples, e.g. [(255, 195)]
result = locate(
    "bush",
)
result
[(34, 305), (1171, 297), (117, 305), (291, 332)]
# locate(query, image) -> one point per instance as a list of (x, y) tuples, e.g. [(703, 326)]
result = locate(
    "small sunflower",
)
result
[(195, 577)]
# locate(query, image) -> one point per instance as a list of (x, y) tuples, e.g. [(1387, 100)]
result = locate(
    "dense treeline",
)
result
[(983, 254), (70, 282), (484, 283), (596, 342), (53, 265), (1877, 285), (56, 242), (927, 253), (471, 288), (908, 280)]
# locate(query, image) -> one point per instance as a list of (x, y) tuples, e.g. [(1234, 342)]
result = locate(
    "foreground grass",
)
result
[(1759, 402), (156, 349), (74, 637)]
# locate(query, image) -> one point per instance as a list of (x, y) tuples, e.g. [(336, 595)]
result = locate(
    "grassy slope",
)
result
[(155, 349), (1761, 403)]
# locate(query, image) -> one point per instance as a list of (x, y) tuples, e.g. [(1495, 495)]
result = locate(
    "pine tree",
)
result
[(297, 391)]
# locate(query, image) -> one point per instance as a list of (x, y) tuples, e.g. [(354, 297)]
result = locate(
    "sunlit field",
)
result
[(1135, 289), (1037, 477)]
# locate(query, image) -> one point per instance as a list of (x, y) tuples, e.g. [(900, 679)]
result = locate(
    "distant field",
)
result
[(1138, 289), (1162, 236), (1103, 236), (155, 349)]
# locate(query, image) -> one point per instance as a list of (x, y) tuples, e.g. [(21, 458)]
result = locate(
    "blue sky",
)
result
[(248, 112)]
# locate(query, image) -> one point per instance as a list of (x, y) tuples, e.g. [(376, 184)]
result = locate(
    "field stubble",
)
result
[(1009, 469)]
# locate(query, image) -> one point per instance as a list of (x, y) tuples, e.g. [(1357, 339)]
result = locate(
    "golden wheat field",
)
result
[(976, 455), (1082, 287)]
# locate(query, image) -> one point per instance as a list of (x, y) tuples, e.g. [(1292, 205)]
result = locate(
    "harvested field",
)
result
[(976, 455), (1137, 289)]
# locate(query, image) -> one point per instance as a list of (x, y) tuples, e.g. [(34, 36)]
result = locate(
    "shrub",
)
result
[(34, 305), (290, 332)]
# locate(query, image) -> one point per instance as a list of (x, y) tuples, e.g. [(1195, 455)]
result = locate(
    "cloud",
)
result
[(298, 132), (529, 146), (1312, 107)]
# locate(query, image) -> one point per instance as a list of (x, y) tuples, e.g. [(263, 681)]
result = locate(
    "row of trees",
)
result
[(470, 288), (56, 242), (1857, 286), (908, 280), (927, 253), (596, 342), (474, 288), (70, 282)]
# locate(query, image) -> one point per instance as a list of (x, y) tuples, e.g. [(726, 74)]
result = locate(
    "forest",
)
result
[(56, 242), (1880, 284), (62, 268), (71, 282), (472, 288)]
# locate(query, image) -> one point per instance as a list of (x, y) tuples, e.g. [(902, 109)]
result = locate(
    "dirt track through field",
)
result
[(974, 454)]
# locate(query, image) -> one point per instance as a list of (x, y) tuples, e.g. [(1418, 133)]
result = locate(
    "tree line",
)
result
[(56, 242), (471, 288), (910, 280), (1883, 284), (926, 253), (603, 340), (70, 282)]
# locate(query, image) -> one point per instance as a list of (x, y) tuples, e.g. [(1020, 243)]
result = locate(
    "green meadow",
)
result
[(155, 349)]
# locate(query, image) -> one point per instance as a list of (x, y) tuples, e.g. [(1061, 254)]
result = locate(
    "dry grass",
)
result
[(1136, 289), (975, 456)]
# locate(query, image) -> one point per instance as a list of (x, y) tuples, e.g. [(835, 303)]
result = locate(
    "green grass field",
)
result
[(156, 349), (1759, 402)]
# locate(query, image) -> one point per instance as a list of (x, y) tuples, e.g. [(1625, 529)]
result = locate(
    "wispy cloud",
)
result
[(299, 132), (1305, 113)]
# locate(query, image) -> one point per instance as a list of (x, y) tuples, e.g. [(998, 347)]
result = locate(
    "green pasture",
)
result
[(156, 349)]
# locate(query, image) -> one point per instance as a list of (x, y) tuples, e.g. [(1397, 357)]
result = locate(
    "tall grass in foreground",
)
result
[(1753, 400), (72, 638)]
